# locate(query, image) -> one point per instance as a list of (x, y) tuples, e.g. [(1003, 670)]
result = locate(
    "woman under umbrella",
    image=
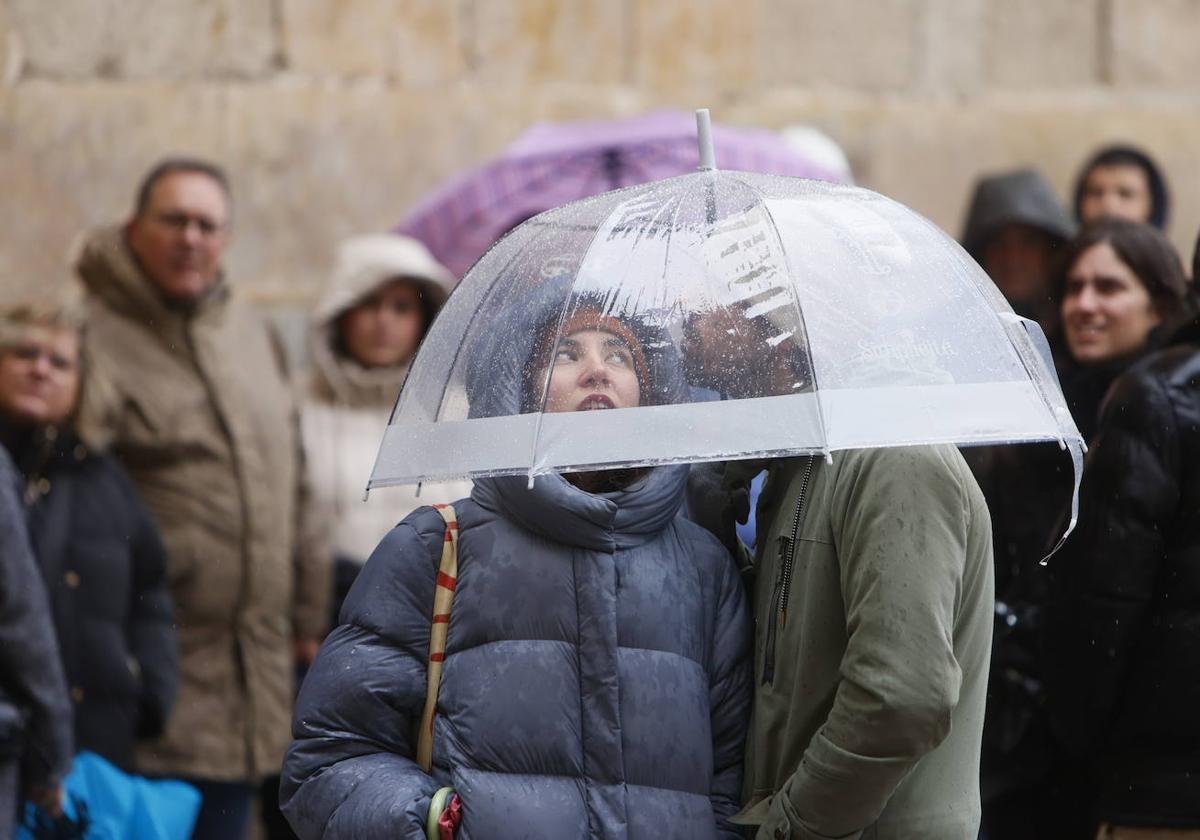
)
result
[(99, 552), (596, 668)]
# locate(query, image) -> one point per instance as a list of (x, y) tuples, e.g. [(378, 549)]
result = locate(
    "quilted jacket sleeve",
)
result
[(1105, 574), (730, 696), (349, 771)]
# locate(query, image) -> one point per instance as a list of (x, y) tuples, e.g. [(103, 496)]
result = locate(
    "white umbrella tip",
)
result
[(704, 139)]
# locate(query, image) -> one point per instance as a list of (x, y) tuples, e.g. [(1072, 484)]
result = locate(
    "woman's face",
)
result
[(39, 377), (1121, 191), (1107, 312), (592, 369), (385, 327)]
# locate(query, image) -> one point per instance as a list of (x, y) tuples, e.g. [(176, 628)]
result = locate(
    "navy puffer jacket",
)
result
[(596, 681)]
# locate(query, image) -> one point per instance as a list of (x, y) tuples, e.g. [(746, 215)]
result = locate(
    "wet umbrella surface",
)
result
[(761, 315)]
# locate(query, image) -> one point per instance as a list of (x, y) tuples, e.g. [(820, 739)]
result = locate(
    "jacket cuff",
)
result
[(783, 823)]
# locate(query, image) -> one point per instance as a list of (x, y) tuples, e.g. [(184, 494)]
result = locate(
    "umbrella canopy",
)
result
[(760, 316), (555, 163)]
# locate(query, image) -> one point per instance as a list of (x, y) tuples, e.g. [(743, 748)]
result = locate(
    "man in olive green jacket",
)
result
[(872, 587), (198, 409), (873, 606)]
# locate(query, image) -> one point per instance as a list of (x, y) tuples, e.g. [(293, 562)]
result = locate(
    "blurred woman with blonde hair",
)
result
[(98, 549)]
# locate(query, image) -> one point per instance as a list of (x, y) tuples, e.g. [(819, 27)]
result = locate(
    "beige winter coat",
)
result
[(345, 406), (202, 417)]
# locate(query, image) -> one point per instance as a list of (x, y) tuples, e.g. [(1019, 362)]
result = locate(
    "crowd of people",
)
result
[(186, 539)]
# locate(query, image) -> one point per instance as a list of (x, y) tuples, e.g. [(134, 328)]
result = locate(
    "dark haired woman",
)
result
[(1122, 631), (1121, 290)]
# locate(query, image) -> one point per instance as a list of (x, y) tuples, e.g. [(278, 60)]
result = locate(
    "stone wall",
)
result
[(334, 116)]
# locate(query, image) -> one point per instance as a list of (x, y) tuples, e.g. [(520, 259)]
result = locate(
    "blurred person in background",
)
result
[(381, 297), (1122, 631), (35, 713), (1121, 289), (1125, 183), (1016, 229), (100, 555), (202, 416)]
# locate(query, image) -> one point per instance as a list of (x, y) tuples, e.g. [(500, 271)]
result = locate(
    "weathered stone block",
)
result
[(11, 51), (1043, 43), (928, 156), (418, 42), (950, 41), (705, 43), (550, 41), (861, 44), (71, 156), (1156, 43), (145, 38)]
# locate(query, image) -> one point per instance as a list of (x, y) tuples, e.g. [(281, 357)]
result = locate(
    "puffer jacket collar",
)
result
[(557, 510), (110, 272)]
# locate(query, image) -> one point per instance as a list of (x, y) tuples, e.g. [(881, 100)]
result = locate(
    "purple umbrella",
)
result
[(555, 163)]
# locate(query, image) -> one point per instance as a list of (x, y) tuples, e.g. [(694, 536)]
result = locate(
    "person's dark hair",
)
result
[(1119, 155), (172, 166), (1147, 252)]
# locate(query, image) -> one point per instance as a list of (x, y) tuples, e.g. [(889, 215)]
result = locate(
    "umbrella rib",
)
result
[(799, 310)]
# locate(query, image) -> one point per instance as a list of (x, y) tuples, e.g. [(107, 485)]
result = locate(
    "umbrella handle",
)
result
[(704, 140)]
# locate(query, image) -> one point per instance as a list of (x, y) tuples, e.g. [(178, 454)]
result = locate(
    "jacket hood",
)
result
[(1160, 196), (499, 378), (363, 264), (1020, 197), (556, 509), (110, 273)]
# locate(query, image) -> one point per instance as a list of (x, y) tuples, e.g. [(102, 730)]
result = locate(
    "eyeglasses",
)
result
[(30, 353), (180, 222)]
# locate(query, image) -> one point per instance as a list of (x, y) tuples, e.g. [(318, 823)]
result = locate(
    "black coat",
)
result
[(1122, 631), (105, 571)]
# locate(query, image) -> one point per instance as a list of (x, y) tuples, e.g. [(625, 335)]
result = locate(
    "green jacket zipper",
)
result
[(787, 553)]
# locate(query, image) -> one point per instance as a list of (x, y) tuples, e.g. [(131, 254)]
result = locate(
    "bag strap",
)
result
[(443, 599)]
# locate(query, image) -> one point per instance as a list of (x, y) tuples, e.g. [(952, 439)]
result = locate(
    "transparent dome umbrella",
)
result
[(762, 316)]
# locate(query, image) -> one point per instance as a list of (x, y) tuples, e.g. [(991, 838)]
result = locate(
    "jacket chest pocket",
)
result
[(803, 612), (170, 426)]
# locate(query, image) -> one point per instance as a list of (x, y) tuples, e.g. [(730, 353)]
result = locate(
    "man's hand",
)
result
[(306, 651), (49, 799)]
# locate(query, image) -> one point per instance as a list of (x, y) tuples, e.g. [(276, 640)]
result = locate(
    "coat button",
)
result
[(71, 579), (77, 694)]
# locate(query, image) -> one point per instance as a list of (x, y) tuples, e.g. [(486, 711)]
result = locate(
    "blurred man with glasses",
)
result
[(201, 414)]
